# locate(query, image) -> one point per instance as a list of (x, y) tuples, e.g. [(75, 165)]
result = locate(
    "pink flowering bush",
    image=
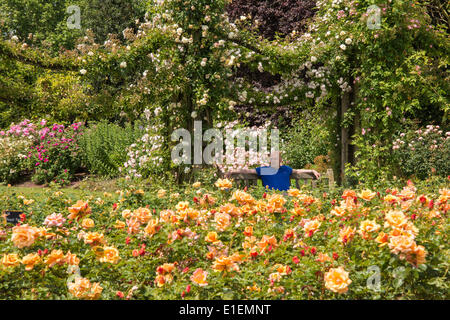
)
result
[(47, 152), (423, 152)]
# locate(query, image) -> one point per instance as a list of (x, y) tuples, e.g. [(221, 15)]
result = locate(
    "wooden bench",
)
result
[(248, 179)]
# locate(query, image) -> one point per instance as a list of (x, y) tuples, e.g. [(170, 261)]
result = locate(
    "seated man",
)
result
[(274, 176)]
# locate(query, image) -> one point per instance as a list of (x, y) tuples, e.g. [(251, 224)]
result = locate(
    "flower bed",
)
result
[(217, 242)]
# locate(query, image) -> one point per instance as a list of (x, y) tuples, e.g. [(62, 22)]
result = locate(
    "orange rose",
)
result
[(346, 234), (110, 254), (222, 220), (242, 197), (401, 244), (311, 227), (225, 264), (55, 257), (23, 236), (211, 237), (382, 239), (248, 231), (87, 223), (367, 195), (10, 260), (368, 226), (119, 224), (199, 277), (223, 184), (71, 259), (133, 225), (395, 219), (338, 211), (30, 260), (150, 229), (79, 209), (93, 238), (276, 202), (143, 215), (337, 280), (294, 192)]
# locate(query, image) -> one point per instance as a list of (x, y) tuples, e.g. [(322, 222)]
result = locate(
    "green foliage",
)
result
[(423, 152), (104, 147), (307, 139)]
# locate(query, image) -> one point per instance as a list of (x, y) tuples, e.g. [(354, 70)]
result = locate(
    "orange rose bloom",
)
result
[(395, 219), (311, 227), (143, 215), (348, 194), (211, 237), (382, 239), (133, 225), (87, 223), (222, 220), (338, 211), (83, 289), (276, 202), (93, 238), (367, 195), (223, 184), (346, 234), (401, 244), (30, 260), (71, 259), (242, 197), (266, 242), (55, 257), (150, 229), (11, 260), (368, 226), (199, 277), (248, 231), (79, 209), (225, 264), (337, 280), (294, 192), (23, 236), (110, 254)]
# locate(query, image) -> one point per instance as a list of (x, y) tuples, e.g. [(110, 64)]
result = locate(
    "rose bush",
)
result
[(218, 242)]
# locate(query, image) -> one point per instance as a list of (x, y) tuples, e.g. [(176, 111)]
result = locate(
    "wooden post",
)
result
[(330, 175)]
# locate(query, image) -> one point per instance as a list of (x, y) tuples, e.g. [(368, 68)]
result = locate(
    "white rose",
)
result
[(123, 64)]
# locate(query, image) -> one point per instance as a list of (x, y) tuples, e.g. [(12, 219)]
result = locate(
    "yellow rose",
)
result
[(119, 224), (30, 260), (211, 237), (55, 257), (223, 184), (79, 209), (401, 244), (10, 260), (23, 236), (87, 223), (110, 254), (367, 195), (93, 238), (196, 185), (337, 280), (222, 220), (395, 219)]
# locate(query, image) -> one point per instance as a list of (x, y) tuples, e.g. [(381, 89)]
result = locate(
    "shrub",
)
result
[(104, 147), (56, 156), (305, 141), (13, 158), (423, 152)]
